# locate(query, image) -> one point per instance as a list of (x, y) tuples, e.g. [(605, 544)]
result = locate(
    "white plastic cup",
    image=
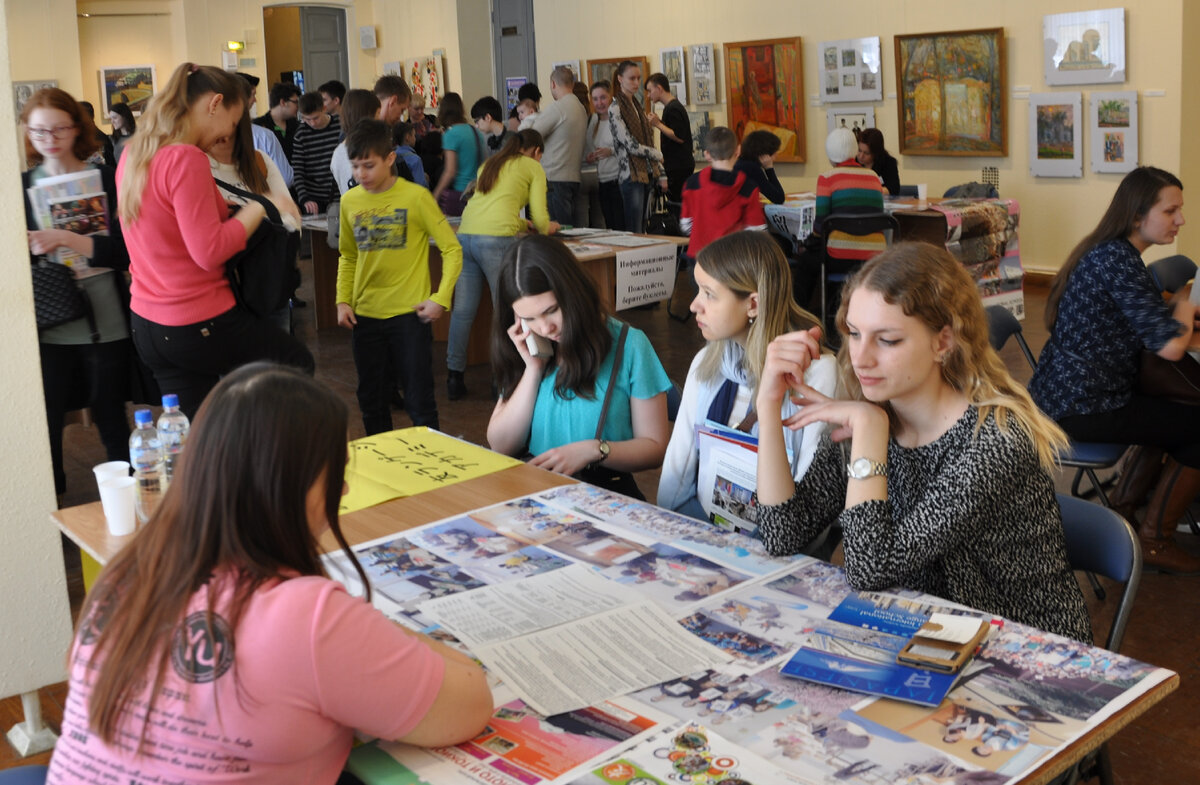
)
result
[(922, 192), (118, 497), (109, 470)]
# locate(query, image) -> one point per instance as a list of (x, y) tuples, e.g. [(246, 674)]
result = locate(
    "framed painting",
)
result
[(574, 66), (701, 123), (126, 84), (1055, 134), (764, 91), (23, 91), (607, 68), (1084, 47), (951, 93), (671, 61), (851, 70), (855, 118), (704, 74), (1114, 124)]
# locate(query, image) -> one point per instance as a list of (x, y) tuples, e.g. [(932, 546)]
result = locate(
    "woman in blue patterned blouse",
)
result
[(1103, 310)]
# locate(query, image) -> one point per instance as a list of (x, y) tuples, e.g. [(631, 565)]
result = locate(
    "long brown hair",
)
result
[(534, 265), (932, 286), (53, 98), (514, 147), (238, 508), (452, 111), (358, 105), (246, 159), (165, 122), (1135, 196)]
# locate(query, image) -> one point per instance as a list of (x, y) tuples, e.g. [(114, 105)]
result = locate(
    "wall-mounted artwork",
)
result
[(1056, 134), (764, 91), (512, 84), (671, 61), (1114, 124), (607, 68), (394, 67), (701, 123), (126, 84), (851, 70), (1084, 47), (704, 74), (23, 91), (855, 118), (576, 70), (951, 93), (423, 73)]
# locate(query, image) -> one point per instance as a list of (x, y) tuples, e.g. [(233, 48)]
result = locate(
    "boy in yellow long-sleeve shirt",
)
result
[(383, 282)]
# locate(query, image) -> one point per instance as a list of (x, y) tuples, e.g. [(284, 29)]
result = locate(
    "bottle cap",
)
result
[(143, 417), (170, 400)]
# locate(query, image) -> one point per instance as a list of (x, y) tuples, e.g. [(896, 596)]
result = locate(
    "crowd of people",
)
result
[(912, 440)]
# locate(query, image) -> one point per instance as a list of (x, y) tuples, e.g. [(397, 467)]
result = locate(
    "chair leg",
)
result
[(1104, 766), (1097, 589), (1095, 481)]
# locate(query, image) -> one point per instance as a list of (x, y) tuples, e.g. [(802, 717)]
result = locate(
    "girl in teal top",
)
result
[(550, 405), (463, 151)]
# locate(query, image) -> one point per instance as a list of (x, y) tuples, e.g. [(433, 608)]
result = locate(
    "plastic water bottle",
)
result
[(172, 433), (146, 456)]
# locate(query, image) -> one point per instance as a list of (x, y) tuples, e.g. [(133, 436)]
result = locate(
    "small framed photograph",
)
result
[(126, 84), (1084, 47), (855, 118), (1055, 138), (1114, 124), (575, 66), (704, 74)]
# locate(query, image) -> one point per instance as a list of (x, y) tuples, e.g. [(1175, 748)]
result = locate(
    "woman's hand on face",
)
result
[(848, 417), (788, 357), (519, 333), (570, 458)]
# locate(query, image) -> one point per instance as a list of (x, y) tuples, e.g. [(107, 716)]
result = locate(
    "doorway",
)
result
[(305, 45), (512, 41)]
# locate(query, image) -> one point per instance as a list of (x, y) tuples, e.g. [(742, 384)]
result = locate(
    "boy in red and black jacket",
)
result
[(717, 200)]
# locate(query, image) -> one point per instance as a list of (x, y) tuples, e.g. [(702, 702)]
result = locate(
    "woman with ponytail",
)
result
[(508, 181), (187, 326)]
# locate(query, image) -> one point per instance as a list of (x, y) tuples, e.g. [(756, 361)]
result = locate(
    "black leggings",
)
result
[(1155, 422)]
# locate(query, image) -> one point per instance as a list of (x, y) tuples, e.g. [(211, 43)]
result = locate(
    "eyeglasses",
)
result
[(292, 101), (58, 132)]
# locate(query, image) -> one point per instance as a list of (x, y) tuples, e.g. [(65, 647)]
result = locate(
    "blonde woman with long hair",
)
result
[(946, 484), (743, 302), (187, 327)]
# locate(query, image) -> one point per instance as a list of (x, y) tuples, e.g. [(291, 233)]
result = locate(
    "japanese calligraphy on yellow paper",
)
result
[(410, 461)]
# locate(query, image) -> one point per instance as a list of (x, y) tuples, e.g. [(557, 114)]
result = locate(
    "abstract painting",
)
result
[(606, 68), (704, 74), (1084, 47), (1114, 124), (764, 91), (951, 93), (1056, 134), (126, 84), (701, 123)]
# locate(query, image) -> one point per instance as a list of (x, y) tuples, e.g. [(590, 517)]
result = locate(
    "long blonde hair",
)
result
[(748, 262), (165, 122), (932, 286)]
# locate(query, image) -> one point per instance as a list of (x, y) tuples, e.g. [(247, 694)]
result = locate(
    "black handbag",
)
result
[(263, 275), (662, 220), (57, 296)]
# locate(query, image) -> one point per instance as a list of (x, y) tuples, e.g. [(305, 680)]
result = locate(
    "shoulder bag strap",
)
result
[(612, 380)]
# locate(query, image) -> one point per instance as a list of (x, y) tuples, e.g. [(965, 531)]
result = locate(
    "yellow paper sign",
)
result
[(410, 461)]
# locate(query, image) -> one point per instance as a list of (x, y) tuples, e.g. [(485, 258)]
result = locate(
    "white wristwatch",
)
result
[(863, 468)]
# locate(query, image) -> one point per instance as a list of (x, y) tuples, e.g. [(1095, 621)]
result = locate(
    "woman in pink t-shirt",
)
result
[(187, 326), (214, 648)]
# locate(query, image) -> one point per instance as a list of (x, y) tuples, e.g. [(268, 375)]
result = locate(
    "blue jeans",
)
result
[(385, 350), (560, 200), (483, 255), (633, 194)]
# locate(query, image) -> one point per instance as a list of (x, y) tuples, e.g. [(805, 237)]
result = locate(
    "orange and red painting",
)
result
[(764, 87)]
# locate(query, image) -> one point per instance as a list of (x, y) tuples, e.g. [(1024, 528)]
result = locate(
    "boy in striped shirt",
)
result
[(316, 139)]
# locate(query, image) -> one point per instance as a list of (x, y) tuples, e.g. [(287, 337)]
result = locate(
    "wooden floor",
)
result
[(1152, 750)]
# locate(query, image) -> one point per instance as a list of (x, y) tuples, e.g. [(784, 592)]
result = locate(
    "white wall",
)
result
[(34, 614)]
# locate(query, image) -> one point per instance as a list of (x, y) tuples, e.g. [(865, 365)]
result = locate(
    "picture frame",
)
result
[(606, 68), (701, 123), (1113, 120), (671, 62), (23, 91), (969, 119), (126, 84), (574, 65), (857, 66), (1084, 47), (855, 118), (764, 90), (1056, 134), (703, 64)]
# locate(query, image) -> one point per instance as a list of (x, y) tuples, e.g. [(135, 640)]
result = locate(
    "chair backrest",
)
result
[(971, 190), (1173, 273), (674, 398), (1100, 541), (908, 190), (861, 224), (1002, 325)]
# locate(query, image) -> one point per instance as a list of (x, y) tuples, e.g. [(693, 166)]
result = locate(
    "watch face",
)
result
[(860, 468)]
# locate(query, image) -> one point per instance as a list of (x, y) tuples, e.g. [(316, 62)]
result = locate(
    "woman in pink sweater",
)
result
[(187, 326)]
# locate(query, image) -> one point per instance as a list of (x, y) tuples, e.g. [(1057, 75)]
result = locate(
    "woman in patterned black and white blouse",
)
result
[(949, 489)]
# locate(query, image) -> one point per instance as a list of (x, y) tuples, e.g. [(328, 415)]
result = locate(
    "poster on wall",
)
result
[(512, 84), (851, 70), (855, 118), (764, 91), (126, 84), (1114, 124), (671, 61), (704, 74), (1084, 47), (23, 91), (1055, 134)]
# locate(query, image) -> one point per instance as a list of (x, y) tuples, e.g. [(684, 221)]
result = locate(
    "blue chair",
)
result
[(24, 775), (1099, 541), (1172, 273), (858, 225), (908, 190)]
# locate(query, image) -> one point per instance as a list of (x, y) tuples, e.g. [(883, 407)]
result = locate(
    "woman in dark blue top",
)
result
[(757, 160), (1103, 310)]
